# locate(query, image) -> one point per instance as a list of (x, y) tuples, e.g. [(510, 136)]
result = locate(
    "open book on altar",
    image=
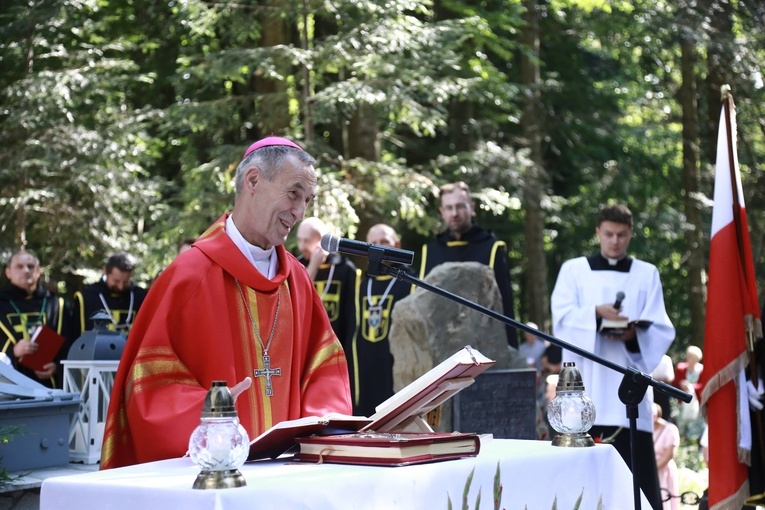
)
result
[(402, 411)]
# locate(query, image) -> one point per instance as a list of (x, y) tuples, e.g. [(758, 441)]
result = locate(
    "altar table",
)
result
[(533, 475)]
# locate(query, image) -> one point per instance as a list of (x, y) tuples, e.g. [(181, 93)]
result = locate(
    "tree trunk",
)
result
[(534, 183), (461, 131), (20, 217), (719, 59), (363, 138), (273, 112), (363, 134), (693, 233)]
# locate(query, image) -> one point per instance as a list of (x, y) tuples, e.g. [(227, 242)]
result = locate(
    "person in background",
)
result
[(535, 350), (532, 349), (114, 294), (666, 440), (236, 307), (665, 373), (464, 241), (687, 378), (312, 255), (552, 360), (688, 372), (25, 305), (334, 277), (185, 245), (585, 295), (371, 362), (545, 432)]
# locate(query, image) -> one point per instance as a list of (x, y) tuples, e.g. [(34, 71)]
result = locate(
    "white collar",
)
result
[(265, 261), (611, 262)]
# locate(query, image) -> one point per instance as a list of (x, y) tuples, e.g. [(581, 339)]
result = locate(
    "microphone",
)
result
[(334, 244), (619, 298)]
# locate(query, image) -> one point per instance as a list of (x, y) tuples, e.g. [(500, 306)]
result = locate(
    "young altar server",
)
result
[(613, 286)]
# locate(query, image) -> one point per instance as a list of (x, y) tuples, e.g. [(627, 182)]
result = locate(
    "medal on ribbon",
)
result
[(375, 316)]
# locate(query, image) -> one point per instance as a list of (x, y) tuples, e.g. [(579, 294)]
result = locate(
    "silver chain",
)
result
[(252, 320)]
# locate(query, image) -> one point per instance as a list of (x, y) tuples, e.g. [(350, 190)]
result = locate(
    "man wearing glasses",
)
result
[(464, 241)]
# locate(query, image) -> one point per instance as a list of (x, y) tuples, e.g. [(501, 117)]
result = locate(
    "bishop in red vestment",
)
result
[(198, 324)]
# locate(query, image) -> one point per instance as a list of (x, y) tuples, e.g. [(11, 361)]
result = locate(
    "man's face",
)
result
[(308, 239), (383, 237), (614, 239), (457, 211), (272, 208), (117, 280), (23, 271)]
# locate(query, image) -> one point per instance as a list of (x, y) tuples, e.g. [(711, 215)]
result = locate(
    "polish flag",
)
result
[(733, 318)]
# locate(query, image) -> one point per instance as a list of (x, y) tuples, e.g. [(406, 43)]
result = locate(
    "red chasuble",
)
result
[(193, 328)]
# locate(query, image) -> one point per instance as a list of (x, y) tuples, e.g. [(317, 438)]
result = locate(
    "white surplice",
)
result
[(578, 290)]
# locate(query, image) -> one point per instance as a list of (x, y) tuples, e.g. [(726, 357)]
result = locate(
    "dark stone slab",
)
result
[(499, 402)]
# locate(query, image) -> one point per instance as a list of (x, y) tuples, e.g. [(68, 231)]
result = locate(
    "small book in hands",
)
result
[(48, 344), (616, 328), (388, 449)]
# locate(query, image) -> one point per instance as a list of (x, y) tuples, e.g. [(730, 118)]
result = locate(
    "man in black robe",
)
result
[(114, 294), (464, 241), (24, 306)]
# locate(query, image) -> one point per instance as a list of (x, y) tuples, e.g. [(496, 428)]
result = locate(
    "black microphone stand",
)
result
[(631, 390)]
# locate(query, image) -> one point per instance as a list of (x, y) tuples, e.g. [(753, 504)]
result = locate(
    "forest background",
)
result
[(122, 122)]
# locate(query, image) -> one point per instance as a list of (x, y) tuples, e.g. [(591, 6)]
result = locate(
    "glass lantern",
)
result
[(219, 445), (571, 413)]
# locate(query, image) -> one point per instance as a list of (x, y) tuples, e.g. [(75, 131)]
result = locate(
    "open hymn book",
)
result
[(401, 412)]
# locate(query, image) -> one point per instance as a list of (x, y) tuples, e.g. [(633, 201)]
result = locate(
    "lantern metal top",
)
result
[(569, 378), (219, 403)]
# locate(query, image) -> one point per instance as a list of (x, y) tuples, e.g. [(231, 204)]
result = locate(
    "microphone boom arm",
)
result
[(642, 379), (631, 390)]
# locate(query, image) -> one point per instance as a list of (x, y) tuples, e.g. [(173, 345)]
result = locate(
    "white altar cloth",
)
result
[(533, 475)]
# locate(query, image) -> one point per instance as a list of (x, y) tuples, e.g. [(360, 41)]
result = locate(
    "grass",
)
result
[(6, 436)]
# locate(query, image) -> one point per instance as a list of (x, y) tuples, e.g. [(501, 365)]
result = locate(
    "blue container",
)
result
[(42, 415)]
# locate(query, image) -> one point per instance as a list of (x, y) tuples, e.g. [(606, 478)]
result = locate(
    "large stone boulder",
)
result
[(427, 328)]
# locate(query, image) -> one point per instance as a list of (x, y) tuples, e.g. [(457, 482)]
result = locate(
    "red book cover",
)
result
[(48, 344), (388, 449), (281, 437)]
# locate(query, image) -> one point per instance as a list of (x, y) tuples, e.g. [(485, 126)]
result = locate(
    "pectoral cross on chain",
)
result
[(267, 372)]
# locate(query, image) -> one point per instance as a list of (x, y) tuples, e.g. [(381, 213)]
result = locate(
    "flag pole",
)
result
[(727, 99)]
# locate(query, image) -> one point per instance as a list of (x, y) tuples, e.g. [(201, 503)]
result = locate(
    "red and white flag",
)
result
[(732, 316)]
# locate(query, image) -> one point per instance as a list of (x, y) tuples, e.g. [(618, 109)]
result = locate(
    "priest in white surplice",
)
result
[(585, 294)]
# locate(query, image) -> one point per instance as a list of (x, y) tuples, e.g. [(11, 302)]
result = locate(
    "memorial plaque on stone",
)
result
[(499, 402)]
